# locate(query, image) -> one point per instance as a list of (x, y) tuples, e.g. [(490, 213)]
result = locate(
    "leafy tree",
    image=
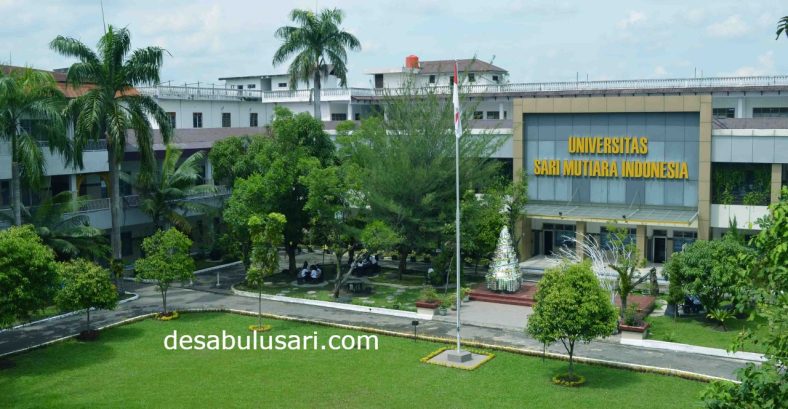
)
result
[(266, 237), (319, 47), (782, 27), (335, 208), (406, 163), (64, 230), (231, 158), (110, 106), (715, 271), (481, 224), (85, 285), (571, 307), (299, 146), (764, 386), (28, 273), (164, 192), (625, 262), (32, 97), (515, 195), (166, 260)]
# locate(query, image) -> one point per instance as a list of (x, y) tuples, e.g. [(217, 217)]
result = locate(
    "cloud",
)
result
[(634, 17), (765, 66), (731, 27), (660, 71)]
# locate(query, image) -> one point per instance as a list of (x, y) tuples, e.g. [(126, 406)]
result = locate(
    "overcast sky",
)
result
[(535, 40)]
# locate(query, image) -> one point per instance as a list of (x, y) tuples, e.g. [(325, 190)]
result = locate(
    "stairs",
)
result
[(524, 297)]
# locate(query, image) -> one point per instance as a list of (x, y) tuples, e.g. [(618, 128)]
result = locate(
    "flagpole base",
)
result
[(458, 356)]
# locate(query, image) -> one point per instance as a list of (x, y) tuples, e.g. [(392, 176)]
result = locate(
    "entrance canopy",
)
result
[(653, 216)]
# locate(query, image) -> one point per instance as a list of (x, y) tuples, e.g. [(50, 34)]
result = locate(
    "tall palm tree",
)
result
[(67, 232), (165, 191), (317, 44), (110, 107), (30, 95)]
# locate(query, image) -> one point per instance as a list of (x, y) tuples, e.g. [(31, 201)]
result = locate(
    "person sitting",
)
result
[(315, 273), (303, 273)]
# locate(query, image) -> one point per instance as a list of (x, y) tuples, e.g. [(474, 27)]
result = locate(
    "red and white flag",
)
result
[(457, 125)]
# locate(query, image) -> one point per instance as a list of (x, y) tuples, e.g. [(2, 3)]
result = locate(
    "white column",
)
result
[(208, 172), (350, 111), (500, 110), (739, 108)]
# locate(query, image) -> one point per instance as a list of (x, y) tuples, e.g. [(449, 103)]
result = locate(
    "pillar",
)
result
[(350, 111), (72, 185), (641, 240), (208, 172), (500, 110), (704, 169), (580, 236), (523, 230), (668, 248), (739, 108), (776, 185)]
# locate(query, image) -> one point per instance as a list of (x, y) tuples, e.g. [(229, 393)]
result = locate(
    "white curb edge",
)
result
[(694, 349)]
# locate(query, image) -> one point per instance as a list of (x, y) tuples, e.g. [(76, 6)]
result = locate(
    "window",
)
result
[(378, 80), (770, 112), (226, 122), (504, 114), (171, 116), (282, 85), (495, 78), (240, 86), (197, 120), (493, 115), (723, 112), (471, 77), (451, 79), (432, 79), (251, 86), (338, 117), (478, 115), (253, 119), (682, 238), (357, 116)]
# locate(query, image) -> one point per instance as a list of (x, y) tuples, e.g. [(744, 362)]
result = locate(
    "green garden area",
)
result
[(129, 367), (703, 332)]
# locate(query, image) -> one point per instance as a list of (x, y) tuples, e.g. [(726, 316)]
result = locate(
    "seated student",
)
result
[(316, 273)]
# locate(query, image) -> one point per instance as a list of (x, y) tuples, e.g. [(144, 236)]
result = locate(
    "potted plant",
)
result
[(633, 326), (466, 294), (428, 301), (446, 302)]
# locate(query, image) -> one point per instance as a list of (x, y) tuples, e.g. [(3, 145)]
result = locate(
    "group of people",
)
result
[(310, 273), (366, 265)]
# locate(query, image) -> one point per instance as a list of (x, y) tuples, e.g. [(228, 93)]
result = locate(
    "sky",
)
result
[(535, 40)]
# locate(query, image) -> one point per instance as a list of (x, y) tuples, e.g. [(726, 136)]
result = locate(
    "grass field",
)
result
[(128, 367), (699, 331)]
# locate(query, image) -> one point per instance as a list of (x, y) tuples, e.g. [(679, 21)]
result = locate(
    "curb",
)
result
[(694, 349), (135, 296), (214, 268), (334, 305)]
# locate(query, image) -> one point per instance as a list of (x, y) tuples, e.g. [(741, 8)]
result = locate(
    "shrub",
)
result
[(429, 294)]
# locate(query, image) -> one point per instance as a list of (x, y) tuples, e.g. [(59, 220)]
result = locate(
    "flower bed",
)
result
[(259, 328), (172, 315), (571, 380)]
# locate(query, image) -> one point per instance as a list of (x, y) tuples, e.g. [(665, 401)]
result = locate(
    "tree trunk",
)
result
[(260, 305), (338, 280), (88, 323), (624, 297), (403, 261), (164, 300), (16, 194), (114, 202), (571, 357), (351, 254), (316, 101), (291, 257)]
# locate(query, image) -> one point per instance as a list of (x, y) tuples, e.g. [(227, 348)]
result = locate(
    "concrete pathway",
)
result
[(150, 301)]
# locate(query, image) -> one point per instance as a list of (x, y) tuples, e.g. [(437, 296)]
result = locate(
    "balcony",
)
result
[(326, 94), (201, 93)]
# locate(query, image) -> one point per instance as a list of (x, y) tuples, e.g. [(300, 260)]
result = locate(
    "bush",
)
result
[(429, 294), (631, 316)]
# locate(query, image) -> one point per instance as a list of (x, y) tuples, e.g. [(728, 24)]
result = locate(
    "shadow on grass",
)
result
[(599, 377)]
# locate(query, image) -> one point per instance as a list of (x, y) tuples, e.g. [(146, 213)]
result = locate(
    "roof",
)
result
[(655, 216), (68, 90), (447, 66), (282, 74)]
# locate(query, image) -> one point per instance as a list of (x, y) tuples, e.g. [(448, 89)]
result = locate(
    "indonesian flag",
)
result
[(457, 125)]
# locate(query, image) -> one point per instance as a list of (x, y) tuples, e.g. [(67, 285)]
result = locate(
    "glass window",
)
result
[(226, 120), (478, 115), (432, 79), (171, 115), (493, 115), (338, 117), (197, 120), (251, 86), (471, 77), (253, 119), (723, 112), (771, 112), (282, 85)]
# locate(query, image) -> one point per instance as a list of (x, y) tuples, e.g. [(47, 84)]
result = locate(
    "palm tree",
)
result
[(28, 95), (782, 27), (165, 191), (110, 106), (317, 44), (60, 227)]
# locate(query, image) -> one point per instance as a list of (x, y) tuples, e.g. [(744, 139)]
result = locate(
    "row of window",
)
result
[(490, 115), (253, 86), (471, 78), (770, 112), (226, 119)]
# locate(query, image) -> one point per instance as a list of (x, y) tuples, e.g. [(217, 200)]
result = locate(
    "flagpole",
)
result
[(457, 132)]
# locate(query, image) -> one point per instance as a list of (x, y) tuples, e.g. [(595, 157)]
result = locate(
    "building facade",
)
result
[(671, 160)]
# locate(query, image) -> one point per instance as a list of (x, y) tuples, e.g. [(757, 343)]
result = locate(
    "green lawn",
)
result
[(700, 331), (128, 367)]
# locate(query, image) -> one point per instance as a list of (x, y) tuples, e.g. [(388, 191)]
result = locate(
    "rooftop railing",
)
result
[(222, 93)]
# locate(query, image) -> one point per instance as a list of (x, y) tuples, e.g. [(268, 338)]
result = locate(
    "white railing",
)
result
[(189, 92), (192, 92)]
